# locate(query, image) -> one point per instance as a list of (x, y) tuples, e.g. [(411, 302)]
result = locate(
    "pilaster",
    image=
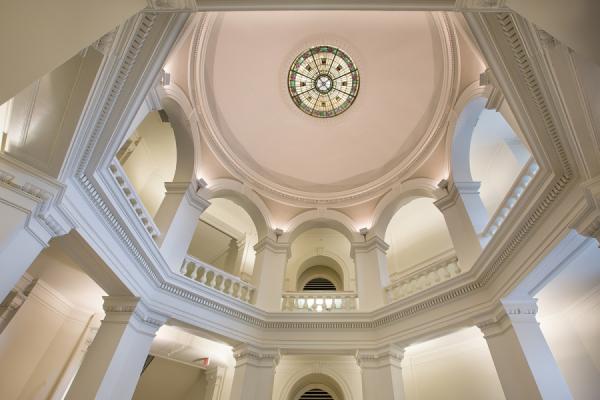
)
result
[(372, 275), (215, 377), (254, 372), (588, 224), (177, 218), (458, 220), (114, 361), (381, 372), (523, 360), (269, 272)]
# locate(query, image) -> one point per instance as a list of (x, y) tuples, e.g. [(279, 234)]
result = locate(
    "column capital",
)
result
[(588, 224), (510, 312), (372, 243), (272, 245), (129, 309), (467, 187), (256, 356), (191, 192), (390, 355)]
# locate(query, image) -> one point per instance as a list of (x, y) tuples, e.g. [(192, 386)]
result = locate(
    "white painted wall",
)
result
[(166, 379), (416, 233), (343, 370), (454, 367), (497, 156), (320, 242), (569, 315), (153, 161)]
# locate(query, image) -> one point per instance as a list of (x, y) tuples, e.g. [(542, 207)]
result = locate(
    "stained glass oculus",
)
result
[(323, 81)]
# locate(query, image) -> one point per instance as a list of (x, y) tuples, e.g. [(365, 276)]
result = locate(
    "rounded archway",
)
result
[(315, 384)]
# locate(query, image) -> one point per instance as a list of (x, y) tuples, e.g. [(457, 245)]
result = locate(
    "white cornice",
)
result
[(168, 291)]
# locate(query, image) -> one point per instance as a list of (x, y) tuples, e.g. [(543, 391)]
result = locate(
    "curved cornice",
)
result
[(287, 195)]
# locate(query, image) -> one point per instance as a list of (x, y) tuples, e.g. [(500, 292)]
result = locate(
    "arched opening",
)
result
[(316, 386), (319, 283), (417, 236), (225, 237), (320, 275), (149, 159), (496, 158)]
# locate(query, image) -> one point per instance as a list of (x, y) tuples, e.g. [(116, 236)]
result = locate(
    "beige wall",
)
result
[(45, 114), (39, 344), (40, 35), (454, 367), (166, 379)]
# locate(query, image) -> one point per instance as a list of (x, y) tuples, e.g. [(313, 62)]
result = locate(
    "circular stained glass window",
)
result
[(323, 81)]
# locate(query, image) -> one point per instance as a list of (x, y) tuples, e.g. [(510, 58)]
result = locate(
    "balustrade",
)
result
[(319, 301), (133, 199), (426, 277), (525, 177), (217, 279)]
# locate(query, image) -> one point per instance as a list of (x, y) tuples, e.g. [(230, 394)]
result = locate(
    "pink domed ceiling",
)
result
[(263, 138)]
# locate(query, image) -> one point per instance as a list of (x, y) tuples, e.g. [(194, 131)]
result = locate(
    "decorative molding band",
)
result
[(521, 233), (386, 356)]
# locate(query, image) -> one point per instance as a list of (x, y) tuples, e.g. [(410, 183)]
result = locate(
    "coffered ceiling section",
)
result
[(238, 68)]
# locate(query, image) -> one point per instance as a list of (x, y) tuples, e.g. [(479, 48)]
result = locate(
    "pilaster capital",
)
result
[(588, 224), (385, 356), (372, 243), (268, 243), (449, 199), (510, 312), (130, 310), (262, 357), (467, 187), (190, 191)]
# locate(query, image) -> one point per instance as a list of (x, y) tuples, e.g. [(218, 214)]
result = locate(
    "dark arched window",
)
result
[(319, 284), (316, 394)]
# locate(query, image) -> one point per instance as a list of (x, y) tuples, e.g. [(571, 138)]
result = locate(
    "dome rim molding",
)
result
[(211, 133)]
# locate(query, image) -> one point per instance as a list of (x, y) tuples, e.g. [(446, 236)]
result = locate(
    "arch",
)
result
[(324, 375), (187, 132), (468, 109), (321, 219), (394, 200), (298, 264), (243, 197), (330, 261)]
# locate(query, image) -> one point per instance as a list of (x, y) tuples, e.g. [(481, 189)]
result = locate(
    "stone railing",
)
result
[(133, 199), (527, 173), (217, 279), (424, 278), (319, 301)]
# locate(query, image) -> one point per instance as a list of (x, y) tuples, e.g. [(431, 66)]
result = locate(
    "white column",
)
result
[(381, 373), (372, 274), (113, 363), (523, 360), (254, 373), (19, 243), (460, 225), (177, 218), (214, 382), (236, 256), (269, 271)]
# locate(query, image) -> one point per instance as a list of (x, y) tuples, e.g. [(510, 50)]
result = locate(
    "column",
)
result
[(454, 206), (177, 218), (523, 360), (381, 372), (236, 256), (113, 363), (14, 300), (214, 382), (254, 372), (20, 241), (269, 270), (372, 274)]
